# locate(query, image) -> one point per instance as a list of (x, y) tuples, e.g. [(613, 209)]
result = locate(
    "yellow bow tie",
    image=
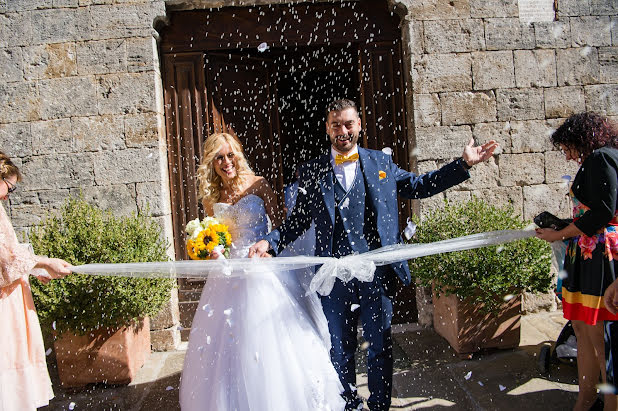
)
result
[(340, 158)]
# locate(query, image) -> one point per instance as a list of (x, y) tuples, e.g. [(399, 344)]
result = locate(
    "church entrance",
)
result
[(266, 74)]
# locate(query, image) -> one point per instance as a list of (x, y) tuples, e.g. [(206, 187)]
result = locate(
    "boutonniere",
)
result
[(381, 174)]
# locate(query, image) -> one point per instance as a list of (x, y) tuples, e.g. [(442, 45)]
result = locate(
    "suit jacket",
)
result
[(384, 181)]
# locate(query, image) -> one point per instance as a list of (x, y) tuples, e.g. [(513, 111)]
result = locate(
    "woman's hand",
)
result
[(548, 234), (56, 268)]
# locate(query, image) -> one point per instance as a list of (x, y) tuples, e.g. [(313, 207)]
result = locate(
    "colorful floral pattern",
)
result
[(608, 236)]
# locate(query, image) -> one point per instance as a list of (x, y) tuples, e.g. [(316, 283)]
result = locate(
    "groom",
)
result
[(351, 195)]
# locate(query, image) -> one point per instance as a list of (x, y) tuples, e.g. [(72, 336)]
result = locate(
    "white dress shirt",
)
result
[(345, 172)]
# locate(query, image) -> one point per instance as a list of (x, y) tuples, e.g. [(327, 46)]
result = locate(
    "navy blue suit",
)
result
[(363, 218)]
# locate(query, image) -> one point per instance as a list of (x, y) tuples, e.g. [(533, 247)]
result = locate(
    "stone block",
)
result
[(452, 36), (602, 99), (503, 197), (508, 34), (439, 9), (593, 31), (56, 25), (573, 8), (165, 340), (118, 198), (50, 61), (67, 97), (19, 102), (608, 64), (24, 5), (577, 66), (441, 142), (539, 302), (614, 29), (126, 166), (482, 175), (492, 70), (520, 104), (60, 171), (11, 65), (53, 199), (413, 37), (141, 54), (535, 68), (426, 166), (27, 215), (16, 139), (522, 169), (493, 8), (424, 306), (15, 29), (456, 196), (426, 205), (126, 93), (102, 56), (169, 316), (499, 131), (98, 133), (558, 169), (26, 197), (52, 137), (150, 196), (603, 7), (66, 3), (547, 197), (142, 130), (468, 107), (426, 110), (531, 136), (564, 101), (553, 34), (99, 22), (442, 72)]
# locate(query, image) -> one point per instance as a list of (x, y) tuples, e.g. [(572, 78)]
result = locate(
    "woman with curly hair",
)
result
[(591, 259), (257, 341)]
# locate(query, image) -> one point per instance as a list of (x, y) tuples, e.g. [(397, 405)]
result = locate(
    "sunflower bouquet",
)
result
[(205, 236)]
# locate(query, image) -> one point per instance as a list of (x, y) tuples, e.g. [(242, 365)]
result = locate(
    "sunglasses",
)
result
[(11, 187)]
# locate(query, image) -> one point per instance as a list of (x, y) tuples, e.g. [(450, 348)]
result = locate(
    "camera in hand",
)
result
[(548, 220)]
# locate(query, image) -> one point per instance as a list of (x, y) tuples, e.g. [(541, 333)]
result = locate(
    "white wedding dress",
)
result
[(257, 342)]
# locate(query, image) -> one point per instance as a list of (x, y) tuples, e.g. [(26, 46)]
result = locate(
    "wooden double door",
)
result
[(266, 74)]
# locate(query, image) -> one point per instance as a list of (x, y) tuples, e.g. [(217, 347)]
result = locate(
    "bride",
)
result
[(257, 342)]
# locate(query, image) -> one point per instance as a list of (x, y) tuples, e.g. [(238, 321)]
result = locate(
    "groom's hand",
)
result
[(476, 154), (259, 249)]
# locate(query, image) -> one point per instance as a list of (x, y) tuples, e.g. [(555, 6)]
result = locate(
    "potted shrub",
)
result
[(477, 293), (101, 323)]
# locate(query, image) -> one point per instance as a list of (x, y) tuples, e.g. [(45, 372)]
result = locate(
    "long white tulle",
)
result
[(359, 266)]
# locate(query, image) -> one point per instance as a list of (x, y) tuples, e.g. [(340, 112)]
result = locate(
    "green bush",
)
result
[(483, 275), (83, 234)]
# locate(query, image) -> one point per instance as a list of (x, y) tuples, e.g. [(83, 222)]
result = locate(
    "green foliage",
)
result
[(483, 275), (84, 234)]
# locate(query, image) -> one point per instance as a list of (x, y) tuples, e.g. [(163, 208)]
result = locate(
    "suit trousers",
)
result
[(343, 307)]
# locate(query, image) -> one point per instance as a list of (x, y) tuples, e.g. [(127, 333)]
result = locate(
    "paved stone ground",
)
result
[(428, 375)]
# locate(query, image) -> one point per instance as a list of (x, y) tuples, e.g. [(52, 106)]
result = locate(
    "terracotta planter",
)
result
[(468, 330), (112, 356)]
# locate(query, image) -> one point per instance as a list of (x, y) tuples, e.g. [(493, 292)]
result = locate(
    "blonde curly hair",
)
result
[(7, 168), (210, 183)]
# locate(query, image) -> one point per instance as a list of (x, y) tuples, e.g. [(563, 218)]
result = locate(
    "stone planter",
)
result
[(112, 356), (469, 330)]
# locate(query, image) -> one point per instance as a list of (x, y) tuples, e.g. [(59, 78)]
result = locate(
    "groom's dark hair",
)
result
[(339, 105)]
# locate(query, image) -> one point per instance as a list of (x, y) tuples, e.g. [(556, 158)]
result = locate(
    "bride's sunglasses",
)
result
[(11, 187)]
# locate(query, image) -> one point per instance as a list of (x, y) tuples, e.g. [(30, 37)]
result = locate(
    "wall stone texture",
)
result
[(81, 111)]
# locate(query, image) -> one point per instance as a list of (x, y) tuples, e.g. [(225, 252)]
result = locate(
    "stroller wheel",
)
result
[(544, 359)]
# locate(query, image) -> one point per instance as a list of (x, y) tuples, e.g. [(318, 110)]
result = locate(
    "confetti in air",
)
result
[(262, 47), (508, 297), (468, 375), (354, 307), (606, 389), (71, 406), (169, 388), (364, 345), (49, 351), (388, 151), (502, 387)]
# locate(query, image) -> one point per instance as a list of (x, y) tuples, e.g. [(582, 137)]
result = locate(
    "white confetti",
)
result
[(563, 274), (364, 345), (567, 178), (208, 339), (257, 356), (71, 406), (229, 322), (49, 351), (354, 307), (262, 47), (228, 312), (169, 388), (302, 190), (502, 387), (54, 325), (345, 204), (468, 375), (508, 297), (352, 387), (388, 151), (481, 384), (606, 389)]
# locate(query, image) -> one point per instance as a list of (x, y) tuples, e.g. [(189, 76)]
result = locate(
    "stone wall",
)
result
[(81, 111), (478, 72)]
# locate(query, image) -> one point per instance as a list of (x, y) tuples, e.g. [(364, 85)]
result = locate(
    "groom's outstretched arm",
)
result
[(410, 185)]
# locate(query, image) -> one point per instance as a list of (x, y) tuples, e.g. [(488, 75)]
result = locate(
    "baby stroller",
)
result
[(565, 350)]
